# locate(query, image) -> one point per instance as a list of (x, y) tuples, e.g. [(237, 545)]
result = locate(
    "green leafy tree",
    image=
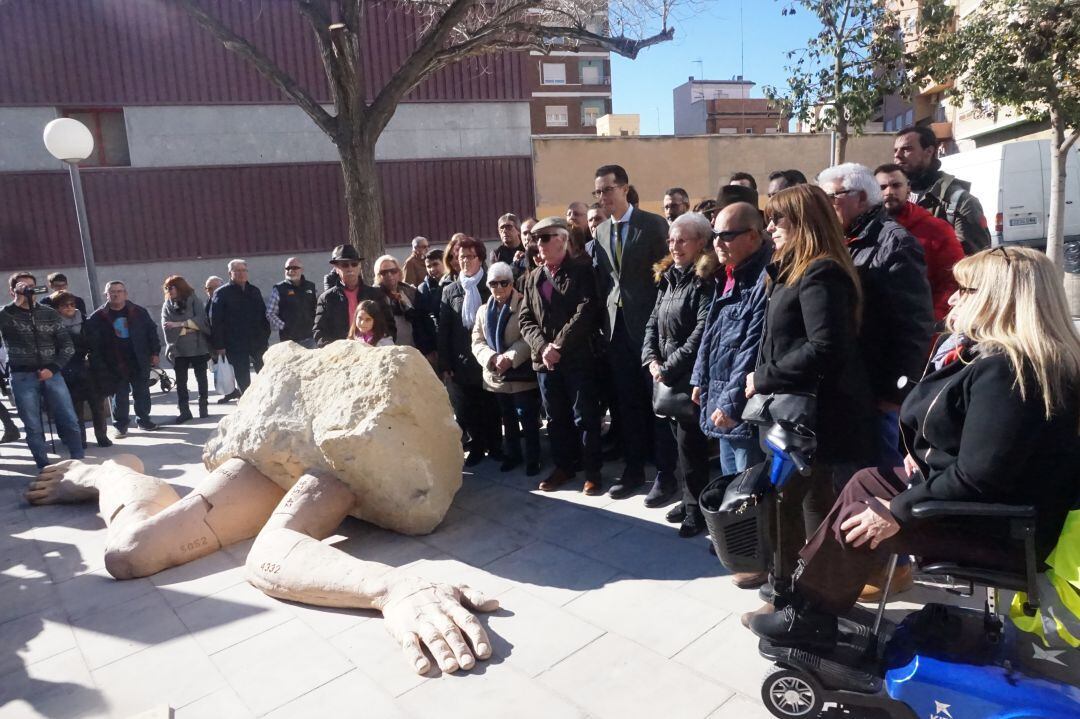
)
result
[(451, 31), (1023, 54), (838, 81)]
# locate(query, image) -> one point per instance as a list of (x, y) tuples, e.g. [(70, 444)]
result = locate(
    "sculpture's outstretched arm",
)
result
[(289, 562), (150, 527)]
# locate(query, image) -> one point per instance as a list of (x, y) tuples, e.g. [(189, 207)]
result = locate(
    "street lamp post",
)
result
[(70, 141)]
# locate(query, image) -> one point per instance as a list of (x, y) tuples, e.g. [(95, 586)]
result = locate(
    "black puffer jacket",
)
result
[(455, 339), (976, 440), (809, 346), (332, 313), (898, 309), (677, 323)]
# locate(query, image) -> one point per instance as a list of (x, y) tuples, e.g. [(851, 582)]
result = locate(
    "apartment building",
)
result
[(570, 90), (723, 107)]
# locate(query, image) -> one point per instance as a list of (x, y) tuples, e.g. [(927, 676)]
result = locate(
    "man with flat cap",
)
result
[(337, 306)]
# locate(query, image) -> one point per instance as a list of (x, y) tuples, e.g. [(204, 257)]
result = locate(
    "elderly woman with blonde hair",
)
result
[(412, 326), (505, 358), (995, 419)]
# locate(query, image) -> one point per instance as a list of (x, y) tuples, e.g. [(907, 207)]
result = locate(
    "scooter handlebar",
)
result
[(800, 462)]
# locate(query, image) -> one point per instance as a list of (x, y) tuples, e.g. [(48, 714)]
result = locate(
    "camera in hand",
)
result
[(33, 291)]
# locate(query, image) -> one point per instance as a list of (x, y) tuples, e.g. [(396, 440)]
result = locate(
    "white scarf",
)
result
[(473, 300)]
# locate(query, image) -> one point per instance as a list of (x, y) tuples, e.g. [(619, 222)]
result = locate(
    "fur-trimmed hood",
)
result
[(706, 267)]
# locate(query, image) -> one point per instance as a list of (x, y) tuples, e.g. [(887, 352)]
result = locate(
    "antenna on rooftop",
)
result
[(742, 64), (701, 68)]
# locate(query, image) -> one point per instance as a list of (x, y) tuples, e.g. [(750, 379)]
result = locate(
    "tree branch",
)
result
[(263, 64), (1070, 140)]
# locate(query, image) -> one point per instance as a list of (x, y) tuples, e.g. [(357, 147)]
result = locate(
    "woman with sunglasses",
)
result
[(504, 356), (413, 326), (810, 347), (995, 419)]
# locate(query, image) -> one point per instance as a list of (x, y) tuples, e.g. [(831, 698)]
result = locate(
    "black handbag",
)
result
[(674, 403), (797, 407)]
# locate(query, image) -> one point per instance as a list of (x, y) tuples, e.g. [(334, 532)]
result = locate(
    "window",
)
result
[(553, 73), (556, 115), (591, 111), (749, 131), (888, 126), (909, 117), (592, 72), (110, 136)]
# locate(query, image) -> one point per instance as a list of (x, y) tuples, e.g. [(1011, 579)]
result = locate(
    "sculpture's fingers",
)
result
[(472, 627), (452, 635), (436, 644), (476, 600), (414, 655)]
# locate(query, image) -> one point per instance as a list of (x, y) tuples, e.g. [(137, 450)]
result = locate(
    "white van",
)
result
[(1012, 181)]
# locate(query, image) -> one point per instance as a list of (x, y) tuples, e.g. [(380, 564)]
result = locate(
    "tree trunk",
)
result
[(1055, 227), (840, 146), (363, 202)]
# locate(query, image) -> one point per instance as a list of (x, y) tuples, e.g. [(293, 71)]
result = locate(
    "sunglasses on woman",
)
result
[(499, 283)]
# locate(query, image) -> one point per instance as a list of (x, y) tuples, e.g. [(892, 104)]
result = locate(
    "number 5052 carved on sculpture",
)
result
[(192, 546)]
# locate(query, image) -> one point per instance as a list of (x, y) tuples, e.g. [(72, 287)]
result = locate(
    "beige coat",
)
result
[(519, 352)]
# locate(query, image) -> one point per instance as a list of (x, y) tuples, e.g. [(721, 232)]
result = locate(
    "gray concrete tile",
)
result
[(489, 691), (452, 571), (647, 613), (19, 597), (474, 539), (349, 695), (279, 665), (72, 548), (654, 555), (176, 672), (195, 580), (373, 544), (329, 622), (222, 704), (59, 686), (728, 654), (232, 615), (552, 573), (33, 638), (532, 635), (375, 653), (613, 678), (124, 629), (740, 707), (97, 590)]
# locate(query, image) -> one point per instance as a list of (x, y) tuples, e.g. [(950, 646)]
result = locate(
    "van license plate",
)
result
[(1020, 221)]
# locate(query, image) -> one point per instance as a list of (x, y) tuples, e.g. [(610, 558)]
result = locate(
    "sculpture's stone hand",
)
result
[(73, 480), (439, 616)]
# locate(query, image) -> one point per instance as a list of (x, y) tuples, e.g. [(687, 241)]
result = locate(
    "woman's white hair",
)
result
[(853, 176), (694, 222), (381, 260), (500, 271)]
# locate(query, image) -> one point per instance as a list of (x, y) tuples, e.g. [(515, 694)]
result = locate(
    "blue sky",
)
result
[(644, 85)]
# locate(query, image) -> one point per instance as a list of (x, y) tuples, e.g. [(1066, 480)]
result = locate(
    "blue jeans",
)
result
[(140, 390), (738, 453), (27, 390)]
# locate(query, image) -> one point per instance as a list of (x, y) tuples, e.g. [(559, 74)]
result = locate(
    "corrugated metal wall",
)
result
[(149, 215), (141, 52)]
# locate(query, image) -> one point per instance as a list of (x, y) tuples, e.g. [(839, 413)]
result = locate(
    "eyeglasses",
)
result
[(776, 218), (727, 236), (346, 263), (499, 283), (1000, 249), (390, 271), (605, 191), (966, 290), (463, 256), (834, 195), (545, 237), (292, 268)]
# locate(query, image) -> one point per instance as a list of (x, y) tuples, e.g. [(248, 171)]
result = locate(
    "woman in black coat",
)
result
[(672, 337), (475, 408), (83, 385), (810, 346), (994, 420)]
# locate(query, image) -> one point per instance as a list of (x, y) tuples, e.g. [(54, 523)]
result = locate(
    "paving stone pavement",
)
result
[(605, 613)]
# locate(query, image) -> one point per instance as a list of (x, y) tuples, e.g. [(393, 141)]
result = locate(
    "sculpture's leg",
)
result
[(150, 527), (289, 562)]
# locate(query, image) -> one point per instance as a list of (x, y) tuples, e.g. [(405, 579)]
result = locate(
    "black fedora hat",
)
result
[(346, 253)]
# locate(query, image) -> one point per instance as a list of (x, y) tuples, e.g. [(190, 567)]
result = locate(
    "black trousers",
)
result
[(693, 460), (573, 418), (198, 366), (642, 430), (242, 363), (833, 573), (98, 412), (521, 420), (477, 413)]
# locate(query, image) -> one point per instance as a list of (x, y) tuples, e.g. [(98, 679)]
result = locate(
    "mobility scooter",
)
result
[(940, 662)]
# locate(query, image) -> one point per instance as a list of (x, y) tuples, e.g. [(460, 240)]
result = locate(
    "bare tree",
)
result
[(452, 30)]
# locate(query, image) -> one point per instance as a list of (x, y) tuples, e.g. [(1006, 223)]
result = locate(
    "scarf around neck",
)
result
[(473, 300), (498, 316)]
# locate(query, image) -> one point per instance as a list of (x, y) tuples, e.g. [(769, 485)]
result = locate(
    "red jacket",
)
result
[(942, 250)]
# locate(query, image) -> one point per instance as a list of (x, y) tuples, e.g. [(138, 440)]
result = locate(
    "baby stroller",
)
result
[(161, 378)]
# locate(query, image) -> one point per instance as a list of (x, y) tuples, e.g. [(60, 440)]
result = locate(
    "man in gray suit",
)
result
[(626, 247)]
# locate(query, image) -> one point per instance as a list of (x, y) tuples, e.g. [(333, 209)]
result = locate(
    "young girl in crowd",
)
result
[(369, 325)]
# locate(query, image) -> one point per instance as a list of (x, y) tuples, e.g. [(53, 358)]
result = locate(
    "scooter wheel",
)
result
[(788, 693)]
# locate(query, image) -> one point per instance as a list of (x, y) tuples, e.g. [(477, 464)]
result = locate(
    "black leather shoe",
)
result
[(789, 627), (146, 425), (183, 417), (11, 434), (629, 483), (692, 525), (474, 458), (676, 514), (663, 489), (104, 441)]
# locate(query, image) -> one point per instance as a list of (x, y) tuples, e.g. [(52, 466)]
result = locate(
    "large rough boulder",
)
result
[(376, 417)]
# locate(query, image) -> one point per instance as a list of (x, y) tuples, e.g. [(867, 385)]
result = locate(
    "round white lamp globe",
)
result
[(68, 139)]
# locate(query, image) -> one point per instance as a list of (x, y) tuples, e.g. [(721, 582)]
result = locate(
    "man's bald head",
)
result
[(741, 214)]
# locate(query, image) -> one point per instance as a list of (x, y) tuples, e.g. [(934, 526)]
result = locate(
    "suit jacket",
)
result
[(633, 285)]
